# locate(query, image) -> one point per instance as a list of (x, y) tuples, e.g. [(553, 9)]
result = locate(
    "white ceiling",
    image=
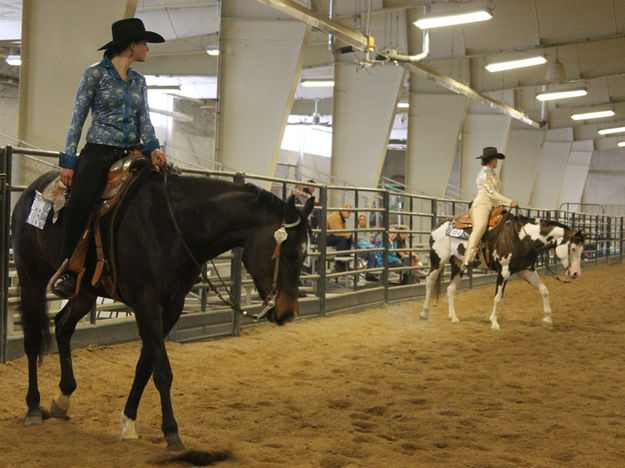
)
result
[(586, 36)]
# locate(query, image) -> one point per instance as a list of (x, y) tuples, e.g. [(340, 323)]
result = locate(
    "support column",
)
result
[(260, 64), (521, 163), (59, 41), (363, 111), (576, 172), (434, 122), (480, 130), (553, 160)]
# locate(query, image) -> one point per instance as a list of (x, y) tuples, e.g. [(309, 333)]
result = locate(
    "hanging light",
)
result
[(511, 64), (554, 95), (593, 115), (317, 83), (611, 130), (438, 21)]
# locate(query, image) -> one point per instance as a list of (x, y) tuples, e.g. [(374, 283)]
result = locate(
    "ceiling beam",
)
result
[(360, 42)]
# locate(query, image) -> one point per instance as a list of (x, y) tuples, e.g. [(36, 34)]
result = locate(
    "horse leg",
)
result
[(430, 282), (456, 276), (437, 266), (33, 303), (501, 284), (65, 322), (152, 355), (532, 278)]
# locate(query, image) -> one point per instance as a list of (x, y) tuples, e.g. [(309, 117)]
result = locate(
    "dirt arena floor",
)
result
[(380, 388)]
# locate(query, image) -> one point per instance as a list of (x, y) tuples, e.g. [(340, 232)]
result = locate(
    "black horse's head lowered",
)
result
[(279, 249), (166, 228)]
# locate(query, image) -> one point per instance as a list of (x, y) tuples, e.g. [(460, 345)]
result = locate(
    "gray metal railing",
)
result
[(327, 291)]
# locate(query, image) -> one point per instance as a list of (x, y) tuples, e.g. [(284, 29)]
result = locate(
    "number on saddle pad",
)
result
[(456, 232)]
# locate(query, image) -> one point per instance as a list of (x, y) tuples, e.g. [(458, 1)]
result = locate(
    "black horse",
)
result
[(155, 272)]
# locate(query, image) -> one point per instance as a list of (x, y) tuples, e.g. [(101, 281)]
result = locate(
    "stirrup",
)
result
[(62, 269)]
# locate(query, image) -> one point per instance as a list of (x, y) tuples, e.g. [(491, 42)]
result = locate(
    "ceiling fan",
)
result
[(315, 119)]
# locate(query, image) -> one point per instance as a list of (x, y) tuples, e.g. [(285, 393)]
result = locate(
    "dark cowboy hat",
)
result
[(131, 30), (490, 152)]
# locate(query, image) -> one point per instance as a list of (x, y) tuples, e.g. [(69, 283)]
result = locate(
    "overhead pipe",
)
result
[(360, 42)]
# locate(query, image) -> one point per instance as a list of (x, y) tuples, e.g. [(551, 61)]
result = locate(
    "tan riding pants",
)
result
[(479, 219)]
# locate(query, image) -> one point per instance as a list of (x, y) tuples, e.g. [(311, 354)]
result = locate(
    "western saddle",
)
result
[(122, 175), (464, 222)]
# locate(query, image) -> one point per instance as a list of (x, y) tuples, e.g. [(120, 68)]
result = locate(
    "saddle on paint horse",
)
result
[(122, 175), (461, 228)]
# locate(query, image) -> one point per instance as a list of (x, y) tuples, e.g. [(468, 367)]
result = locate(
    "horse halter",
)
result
[(270, 301)]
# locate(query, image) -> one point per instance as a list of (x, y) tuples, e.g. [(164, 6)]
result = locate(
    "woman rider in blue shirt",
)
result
[(116, 95)]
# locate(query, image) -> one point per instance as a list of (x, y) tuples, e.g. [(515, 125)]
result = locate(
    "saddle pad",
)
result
[(452, 231)]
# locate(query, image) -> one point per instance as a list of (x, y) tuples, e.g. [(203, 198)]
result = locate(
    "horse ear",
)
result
[(308, 207), (290, 212)]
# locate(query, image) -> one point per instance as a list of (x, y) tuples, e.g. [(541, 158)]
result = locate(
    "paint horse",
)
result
[(158, 255), (513, 248)]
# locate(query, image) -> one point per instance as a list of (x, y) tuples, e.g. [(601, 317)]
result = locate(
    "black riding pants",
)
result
[(89, 181)]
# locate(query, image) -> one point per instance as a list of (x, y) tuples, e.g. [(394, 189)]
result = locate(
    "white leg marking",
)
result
[(128, 428), (532, 278), (430, 281), (494, 324), (451, 292), (62, 401)]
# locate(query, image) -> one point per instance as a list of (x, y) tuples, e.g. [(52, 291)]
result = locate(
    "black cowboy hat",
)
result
[(131, 30), (490, 152)]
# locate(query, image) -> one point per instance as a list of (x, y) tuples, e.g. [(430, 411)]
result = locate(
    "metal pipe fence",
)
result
[(383, 259)]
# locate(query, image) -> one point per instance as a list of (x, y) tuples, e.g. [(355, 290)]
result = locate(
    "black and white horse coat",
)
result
[(513, 247)]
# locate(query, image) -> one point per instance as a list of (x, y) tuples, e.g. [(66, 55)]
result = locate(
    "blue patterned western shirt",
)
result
[(119, 112)]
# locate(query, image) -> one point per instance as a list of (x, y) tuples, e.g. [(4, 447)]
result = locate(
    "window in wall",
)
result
[(308, 139)]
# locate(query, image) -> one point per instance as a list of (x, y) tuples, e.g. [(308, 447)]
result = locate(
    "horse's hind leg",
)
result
[(34, 321), (66, 321), (532, 278), (437, 265), (456, 276)]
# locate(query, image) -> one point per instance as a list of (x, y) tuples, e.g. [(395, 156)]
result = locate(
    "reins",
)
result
[(280, 236)]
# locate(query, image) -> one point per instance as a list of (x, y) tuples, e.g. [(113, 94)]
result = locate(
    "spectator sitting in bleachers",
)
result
[(341, 240), (363, 242)]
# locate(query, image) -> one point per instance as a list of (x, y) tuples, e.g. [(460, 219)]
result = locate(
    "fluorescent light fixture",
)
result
[(317, 83), (610, 131), (621, 144), (403, 105), (511, 64), (212, 51), (14, 60), (552, 96), (429, 22), (593, 115)]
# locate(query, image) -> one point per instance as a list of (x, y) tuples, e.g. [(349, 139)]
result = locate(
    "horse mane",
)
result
[(198, 184)]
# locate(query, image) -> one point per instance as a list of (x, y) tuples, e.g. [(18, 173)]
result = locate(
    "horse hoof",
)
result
[(57, 412), (495, 326), (174, 444), (455, 320), (423, 315), (33, 418)]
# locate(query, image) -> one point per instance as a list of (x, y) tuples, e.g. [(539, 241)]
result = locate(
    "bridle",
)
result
[(553, 275), (270, 301), (280, 235)]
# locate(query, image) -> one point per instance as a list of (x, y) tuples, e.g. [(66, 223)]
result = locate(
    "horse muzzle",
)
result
[(284, 311)]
